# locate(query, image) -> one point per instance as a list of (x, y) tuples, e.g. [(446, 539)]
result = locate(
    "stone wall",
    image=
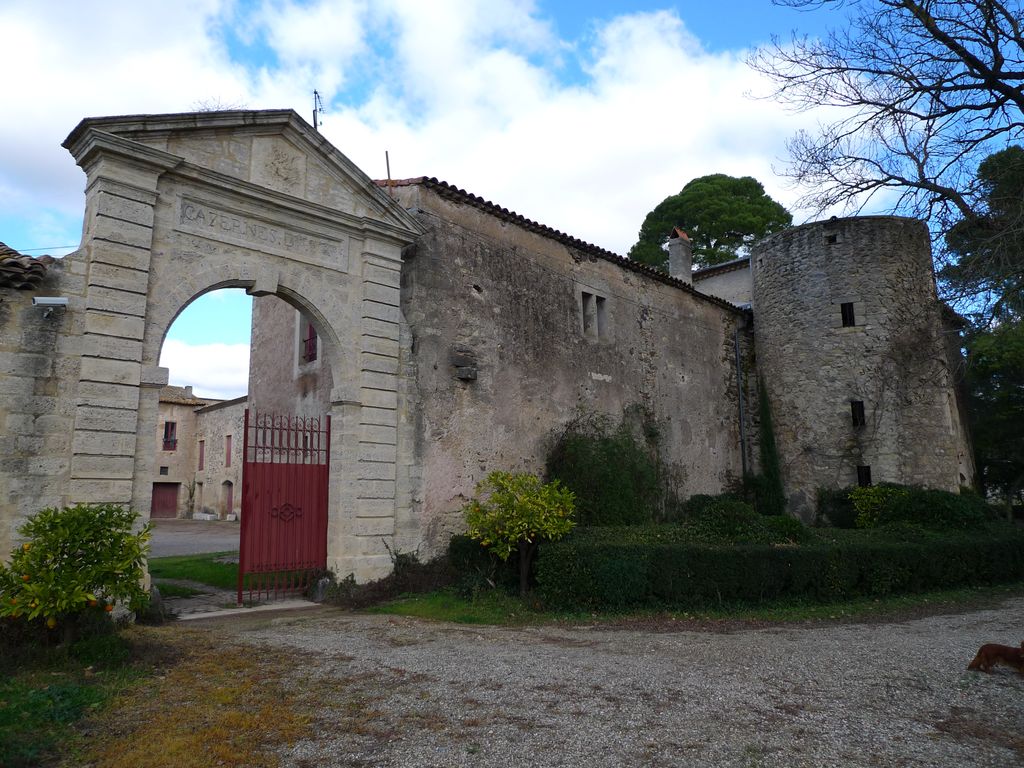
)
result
[(176, 463), (513, 332), (214, 424), (891, 357), (41, 354), (280, 379), (731, 282)]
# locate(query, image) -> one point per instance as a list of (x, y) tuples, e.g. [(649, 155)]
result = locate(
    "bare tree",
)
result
[(926, 89)]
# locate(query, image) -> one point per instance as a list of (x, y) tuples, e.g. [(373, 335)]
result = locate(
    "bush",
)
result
[(872, 502), (835, 508), (726, 519), (613, 474), (936, 510), (657, 566), (75, 562), (515, 512)]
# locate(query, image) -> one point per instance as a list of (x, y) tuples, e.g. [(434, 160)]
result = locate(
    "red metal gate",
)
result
[(283, 544)]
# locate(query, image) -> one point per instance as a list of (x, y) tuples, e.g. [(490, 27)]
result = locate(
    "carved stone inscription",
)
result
[(218, 224)]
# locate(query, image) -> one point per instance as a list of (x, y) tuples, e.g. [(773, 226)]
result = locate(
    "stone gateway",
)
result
[(447, 336)]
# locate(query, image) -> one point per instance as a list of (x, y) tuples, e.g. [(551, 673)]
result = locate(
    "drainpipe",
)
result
[(739, 400)]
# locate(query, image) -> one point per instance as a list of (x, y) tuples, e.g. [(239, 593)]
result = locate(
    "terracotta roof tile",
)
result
[(451, 192), (20, 271)]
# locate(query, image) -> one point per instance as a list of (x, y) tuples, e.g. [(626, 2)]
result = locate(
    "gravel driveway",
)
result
[(404, 692)]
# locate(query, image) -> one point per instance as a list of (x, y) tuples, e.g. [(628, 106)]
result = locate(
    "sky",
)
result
[(580, 115)]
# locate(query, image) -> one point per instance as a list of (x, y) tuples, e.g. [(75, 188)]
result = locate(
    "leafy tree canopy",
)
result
[(721, 214), (995, 383), (989, 246)]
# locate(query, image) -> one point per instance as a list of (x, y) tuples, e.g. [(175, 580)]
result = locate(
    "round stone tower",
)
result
[(853, 352)]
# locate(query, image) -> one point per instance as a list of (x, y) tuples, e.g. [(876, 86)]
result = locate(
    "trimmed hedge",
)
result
[(658, 566)]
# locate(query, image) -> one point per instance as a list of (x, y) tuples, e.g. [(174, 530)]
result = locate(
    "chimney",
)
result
[(680, 256), (188, 390)]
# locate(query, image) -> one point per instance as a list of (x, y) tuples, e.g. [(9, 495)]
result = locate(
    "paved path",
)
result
[(192, 537)]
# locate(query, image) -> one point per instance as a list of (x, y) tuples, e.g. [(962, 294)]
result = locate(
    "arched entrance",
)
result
[(179, 205)]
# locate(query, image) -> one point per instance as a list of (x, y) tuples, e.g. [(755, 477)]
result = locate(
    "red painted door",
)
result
[(165, 500)]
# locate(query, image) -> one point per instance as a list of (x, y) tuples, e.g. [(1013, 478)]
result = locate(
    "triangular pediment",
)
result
[(273, 149)]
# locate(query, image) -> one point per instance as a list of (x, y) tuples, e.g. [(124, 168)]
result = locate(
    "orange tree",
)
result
[(74, 560), (516, 511)]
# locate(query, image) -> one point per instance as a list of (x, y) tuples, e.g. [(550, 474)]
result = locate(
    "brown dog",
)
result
[(991, 654)]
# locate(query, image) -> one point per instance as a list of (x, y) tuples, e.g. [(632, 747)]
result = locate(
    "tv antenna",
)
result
[(318, 109)]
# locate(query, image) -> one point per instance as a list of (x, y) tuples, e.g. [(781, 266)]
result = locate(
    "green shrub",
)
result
[(835, 508), (658, 566), (75, 560), (722, 520), (873, 502), (613, 473), (515, 512), (725, 519), (937, 510)]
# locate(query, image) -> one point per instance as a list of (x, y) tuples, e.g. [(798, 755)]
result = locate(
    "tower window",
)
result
[(849, 319), (857, 412), (863, 475)]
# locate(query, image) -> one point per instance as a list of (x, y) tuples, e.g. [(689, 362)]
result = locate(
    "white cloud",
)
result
[(212, 370), (583, 135)]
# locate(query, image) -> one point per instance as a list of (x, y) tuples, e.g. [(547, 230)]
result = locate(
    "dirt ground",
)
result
[(344, 689)]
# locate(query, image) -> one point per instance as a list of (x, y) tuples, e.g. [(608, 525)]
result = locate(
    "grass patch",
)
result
[(168, 589), (203, 569), (45, 691), (218, 705), (492, 607), (499, 608)]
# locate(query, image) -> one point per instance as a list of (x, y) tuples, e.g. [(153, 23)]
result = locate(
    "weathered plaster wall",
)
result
[(485, 294), (214, 424), (280, 381), (893, 359), (180, 460), (734, 285)]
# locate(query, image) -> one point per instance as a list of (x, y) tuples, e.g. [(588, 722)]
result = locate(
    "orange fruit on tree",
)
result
[(93, 603), (24, 577), (26, 546), (51, 622), (108, 607)]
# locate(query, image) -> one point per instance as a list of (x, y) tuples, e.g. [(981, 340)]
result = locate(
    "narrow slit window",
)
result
[(202, 454), (227, 450), (602, 317), (589, 309), (849, 319), (309, 344), (857, 412), (863, 475)]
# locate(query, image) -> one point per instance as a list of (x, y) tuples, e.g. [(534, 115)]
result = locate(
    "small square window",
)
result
[(163, 470), (849, 319), (863, 475), (831, 239), (857, 412)]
